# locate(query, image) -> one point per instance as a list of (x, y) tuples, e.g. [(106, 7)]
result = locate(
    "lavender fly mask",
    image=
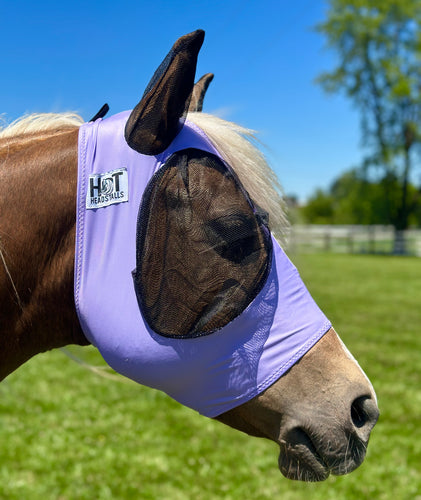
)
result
[(178, 280)]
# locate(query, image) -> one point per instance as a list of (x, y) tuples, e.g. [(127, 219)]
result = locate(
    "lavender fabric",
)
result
[(210, 374)]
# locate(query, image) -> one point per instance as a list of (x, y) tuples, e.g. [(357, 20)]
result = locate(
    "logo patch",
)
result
[(107, 189)]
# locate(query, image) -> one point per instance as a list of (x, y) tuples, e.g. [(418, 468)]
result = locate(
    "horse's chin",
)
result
[(302, 464)]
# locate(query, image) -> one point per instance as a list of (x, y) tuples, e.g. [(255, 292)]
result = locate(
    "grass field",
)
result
[(66, 433)]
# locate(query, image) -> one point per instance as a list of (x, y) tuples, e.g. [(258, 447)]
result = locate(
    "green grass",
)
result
[(66, 433)]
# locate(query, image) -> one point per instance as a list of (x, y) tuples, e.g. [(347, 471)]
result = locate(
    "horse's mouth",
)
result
[(302, 462)]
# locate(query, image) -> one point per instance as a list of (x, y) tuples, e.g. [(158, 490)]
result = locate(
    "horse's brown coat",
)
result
[(38, 179)]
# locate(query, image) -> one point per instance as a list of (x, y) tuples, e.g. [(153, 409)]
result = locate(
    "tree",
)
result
[(319, 209), (379, 47), (353, 199)]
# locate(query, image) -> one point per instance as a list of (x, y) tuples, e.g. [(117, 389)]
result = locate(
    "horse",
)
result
[(320, 408)]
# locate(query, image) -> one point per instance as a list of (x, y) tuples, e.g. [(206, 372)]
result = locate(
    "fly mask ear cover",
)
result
[(159, 116), (203, 252)]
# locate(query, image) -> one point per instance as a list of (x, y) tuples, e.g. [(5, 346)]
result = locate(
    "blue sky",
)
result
[(73, 55)]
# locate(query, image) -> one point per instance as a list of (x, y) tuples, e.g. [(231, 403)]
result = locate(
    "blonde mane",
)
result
[(236, 144), (238, 147), (40, 122)]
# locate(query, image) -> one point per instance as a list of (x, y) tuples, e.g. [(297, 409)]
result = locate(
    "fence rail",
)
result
[(351, 239)]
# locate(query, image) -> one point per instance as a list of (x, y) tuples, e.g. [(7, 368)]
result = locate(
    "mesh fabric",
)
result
[(203, 250)]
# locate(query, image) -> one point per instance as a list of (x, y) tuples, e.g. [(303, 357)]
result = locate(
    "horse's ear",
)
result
[(199, 91), (155, 121)]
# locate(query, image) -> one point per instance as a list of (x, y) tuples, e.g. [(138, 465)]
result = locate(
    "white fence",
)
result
[(351, 239)]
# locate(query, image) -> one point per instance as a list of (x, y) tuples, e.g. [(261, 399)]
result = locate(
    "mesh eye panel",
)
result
[(202, 250)]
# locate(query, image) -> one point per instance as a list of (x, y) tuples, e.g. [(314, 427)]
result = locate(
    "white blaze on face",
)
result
[(351, 357)]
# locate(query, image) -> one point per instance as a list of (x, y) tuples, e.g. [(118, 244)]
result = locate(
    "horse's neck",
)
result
[(37, 231)]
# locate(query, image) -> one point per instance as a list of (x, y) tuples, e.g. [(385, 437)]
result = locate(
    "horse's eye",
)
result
[(233, 237)]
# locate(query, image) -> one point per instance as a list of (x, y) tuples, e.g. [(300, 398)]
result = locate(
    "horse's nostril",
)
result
[(358, 415), (364, 412)]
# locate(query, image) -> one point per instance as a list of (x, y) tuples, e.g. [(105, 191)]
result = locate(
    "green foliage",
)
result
[(353, 199), (319, 209), (378, 43), (67, 433)]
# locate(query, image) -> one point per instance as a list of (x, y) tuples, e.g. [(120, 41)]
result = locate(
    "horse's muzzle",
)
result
[(313, 452)]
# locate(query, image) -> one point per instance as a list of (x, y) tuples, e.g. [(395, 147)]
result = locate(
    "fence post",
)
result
[(399, 244), (327, 241), (371, 239), (351, 241)]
